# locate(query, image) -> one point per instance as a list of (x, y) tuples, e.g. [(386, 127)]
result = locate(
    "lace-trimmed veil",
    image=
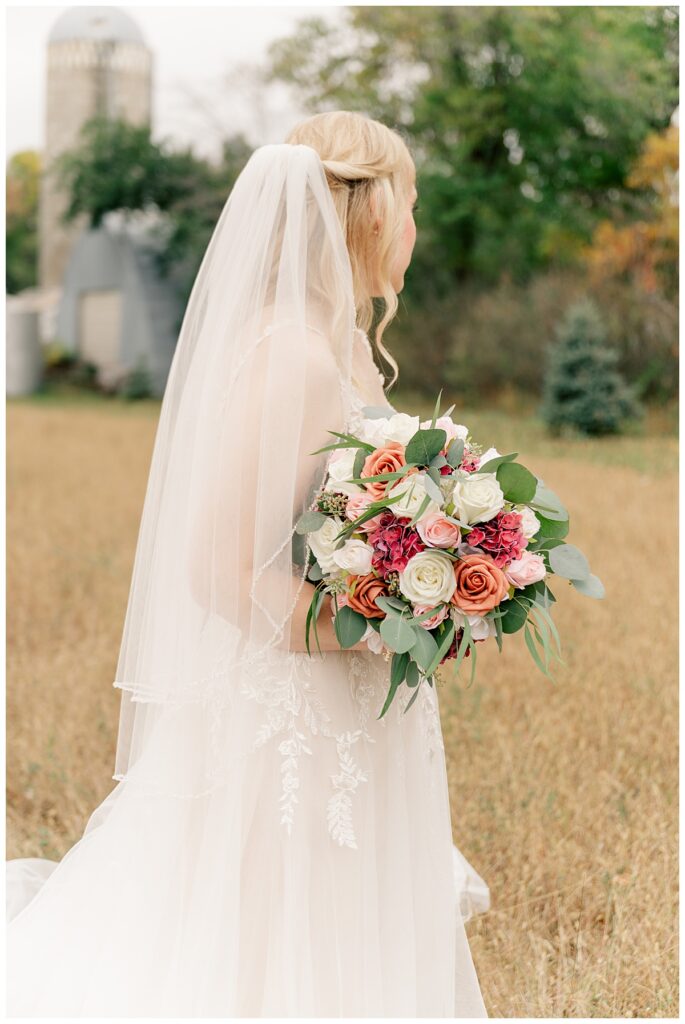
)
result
[(259, 378)]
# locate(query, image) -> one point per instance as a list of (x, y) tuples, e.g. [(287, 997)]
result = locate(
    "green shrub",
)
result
[(137, 384), (582, 387)]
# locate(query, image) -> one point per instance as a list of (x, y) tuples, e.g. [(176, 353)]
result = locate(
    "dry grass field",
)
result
[(564, 795)]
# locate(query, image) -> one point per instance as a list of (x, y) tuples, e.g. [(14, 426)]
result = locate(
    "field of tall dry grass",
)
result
[(564, 795)]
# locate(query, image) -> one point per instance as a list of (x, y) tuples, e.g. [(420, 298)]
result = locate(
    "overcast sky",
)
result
[(194, 48)]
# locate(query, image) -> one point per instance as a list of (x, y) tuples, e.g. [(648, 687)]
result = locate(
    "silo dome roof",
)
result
[(105, 23)]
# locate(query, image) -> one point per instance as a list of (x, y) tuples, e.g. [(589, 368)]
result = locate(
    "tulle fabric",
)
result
[(317, 883)]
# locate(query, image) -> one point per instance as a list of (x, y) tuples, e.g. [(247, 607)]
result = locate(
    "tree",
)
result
[(645, 249), (522, 137), (582, 387), (22, 186), (118, 166)]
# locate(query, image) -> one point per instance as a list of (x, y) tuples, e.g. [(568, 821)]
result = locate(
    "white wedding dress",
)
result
[(176, 905)]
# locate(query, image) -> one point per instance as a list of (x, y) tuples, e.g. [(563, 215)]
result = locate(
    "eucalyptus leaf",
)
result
[(569, 561), (551, 527), (592, 586), (547, 502), (315, 572), (397, 634), (350, 627), (389, 604), (412, 673), (515, 614), (432, 489), (398, 668), (455, 452), (518, 483), (491, 465), (310, 521), (424, 648), (424, 446)]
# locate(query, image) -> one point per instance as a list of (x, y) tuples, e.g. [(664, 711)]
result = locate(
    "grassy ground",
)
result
[(564, 795)]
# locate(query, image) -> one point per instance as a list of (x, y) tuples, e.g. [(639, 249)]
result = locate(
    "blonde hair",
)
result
[(370, 172)]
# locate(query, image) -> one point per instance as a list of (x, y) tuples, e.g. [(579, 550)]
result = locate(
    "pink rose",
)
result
[(529, 568), (433, 620), (357, 504), (438, 532), (447, 424)]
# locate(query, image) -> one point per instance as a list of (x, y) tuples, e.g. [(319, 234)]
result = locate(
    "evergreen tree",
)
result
[(583, 388)]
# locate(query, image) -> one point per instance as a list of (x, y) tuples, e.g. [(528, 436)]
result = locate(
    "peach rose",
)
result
[(389, 458), (438, 532), (359, 503), (366, 591), (481, 584)]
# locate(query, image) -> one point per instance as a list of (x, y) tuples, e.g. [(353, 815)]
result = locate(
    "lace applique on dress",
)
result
[(295, 711)]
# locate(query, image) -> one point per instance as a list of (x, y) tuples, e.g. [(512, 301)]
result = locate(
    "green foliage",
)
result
[(349, 625), (136, 384), (21, 229), (118, 166), (523, 140), (582, 388), (65, 368), (57, 354), (521, 136)]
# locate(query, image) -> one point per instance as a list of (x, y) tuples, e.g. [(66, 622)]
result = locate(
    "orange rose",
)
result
[(366, 591), (481, 584), (388, 459)]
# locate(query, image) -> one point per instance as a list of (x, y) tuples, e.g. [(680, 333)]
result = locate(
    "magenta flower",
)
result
[(394, 544), (501, 537)]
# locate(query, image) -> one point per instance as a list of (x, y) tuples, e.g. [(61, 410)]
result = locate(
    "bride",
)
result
[(272, 847)]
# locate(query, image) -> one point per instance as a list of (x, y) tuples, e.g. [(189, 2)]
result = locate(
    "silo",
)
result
[(98, 62)]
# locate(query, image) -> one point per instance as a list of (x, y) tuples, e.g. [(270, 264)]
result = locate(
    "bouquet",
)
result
[(429, 545)]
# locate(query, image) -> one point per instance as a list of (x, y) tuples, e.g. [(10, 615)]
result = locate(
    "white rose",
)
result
[(481, 627), (491, 453), (340, 469), (401, 427), (477, 496), (322, 542), (355, 556), (413, 498), (373, 430), (530, 524), (428, 578)]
